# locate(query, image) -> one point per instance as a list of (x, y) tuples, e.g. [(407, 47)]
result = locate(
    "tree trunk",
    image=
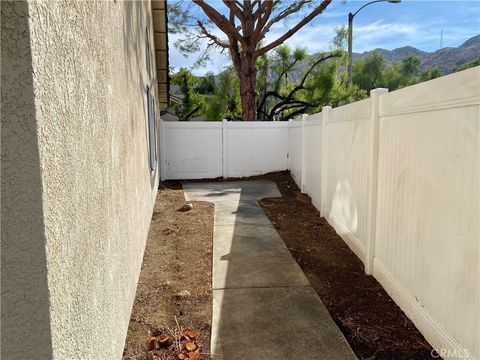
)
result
[(248, 78)]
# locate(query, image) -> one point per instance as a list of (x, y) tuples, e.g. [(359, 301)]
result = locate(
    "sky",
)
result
[(381, 25)]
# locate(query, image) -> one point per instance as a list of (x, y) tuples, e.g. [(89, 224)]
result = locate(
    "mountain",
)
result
[(392, 55), (446, 59)]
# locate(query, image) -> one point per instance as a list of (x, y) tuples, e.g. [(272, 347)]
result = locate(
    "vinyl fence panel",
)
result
[(191, 150), (427, 247), (313, 158), (254, 148), (295, 150), (347, 173)]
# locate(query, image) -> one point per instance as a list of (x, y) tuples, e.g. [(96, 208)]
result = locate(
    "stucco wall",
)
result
[(24, 298), (94, 179)]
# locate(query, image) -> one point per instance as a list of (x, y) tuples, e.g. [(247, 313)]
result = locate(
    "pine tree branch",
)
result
[(221, 21), (212, 37), (318, 10)]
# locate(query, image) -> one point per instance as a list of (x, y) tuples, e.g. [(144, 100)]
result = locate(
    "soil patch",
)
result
[(174, 292), (373, 324)]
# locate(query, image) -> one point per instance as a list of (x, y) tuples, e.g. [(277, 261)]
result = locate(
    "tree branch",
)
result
[(288, 99), (265, 9), (318, 10), (302, 82), (296, 6), (212, 37), (235, 11), (220, 20)]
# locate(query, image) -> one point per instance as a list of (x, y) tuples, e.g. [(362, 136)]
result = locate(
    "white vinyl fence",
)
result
[(202, 150), (397, 175), (191, 150)]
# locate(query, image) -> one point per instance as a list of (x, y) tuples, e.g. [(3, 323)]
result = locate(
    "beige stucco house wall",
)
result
[(78, 181)]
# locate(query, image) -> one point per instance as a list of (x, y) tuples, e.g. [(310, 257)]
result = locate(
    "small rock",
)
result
[(185, 207), (183, 294)]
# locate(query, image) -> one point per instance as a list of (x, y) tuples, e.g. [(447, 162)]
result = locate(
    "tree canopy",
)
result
[(243, 26)]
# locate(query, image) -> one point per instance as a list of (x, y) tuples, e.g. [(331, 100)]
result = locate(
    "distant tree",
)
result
[(224, 101), (190, 104), (409, 66), (429, 74), (206, 84), (244, 28), (468, 65), (214, 109), (368, 73), (398, 75), (374, 72)]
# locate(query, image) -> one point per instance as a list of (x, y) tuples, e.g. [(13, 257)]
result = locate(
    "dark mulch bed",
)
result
[(373, 324)]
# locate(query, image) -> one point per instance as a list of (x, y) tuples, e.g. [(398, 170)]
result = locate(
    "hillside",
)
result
[(446, 59)]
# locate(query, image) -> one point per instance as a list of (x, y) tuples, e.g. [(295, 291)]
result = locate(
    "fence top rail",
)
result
[(295, 124), (192, 124), (314, 122), (356, 111), (434, 95), (257, 124)]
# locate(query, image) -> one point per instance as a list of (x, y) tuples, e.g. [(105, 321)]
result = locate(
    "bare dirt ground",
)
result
[(372, 323), (175, 282)]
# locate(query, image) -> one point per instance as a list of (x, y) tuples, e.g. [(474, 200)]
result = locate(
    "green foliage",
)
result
[(468, 65), (374, 72), (326, 86), (409, 66), (429, 74), (368, 73), (191, 102), (285, 60), (206, 84), (296, 89), (228, 93), (339, 42), (214, 109), (215, 97)]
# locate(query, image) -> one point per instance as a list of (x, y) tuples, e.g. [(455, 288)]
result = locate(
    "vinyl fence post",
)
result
[(372, 192), (325, 113), (289, 159), (163, 149), (225, 148), (304, 150)]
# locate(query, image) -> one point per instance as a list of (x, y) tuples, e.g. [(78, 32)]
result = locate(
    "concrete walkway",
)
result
[(263, 305)]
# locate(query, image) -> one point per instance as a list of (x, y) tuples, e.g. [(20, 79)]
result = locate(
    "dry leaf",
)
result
[(163, 339), (192, 334), (194, 355), (190, 346), (150, 342), (181, 356)]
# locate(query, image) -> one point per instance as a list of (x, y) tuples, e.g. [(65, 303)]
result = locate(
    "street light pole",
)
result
[(350, 40), (350, 34)]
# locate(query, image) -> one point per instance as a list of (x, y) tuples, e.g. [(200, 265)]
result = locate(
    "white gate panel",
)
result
[(192, 150), (254, 148)]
